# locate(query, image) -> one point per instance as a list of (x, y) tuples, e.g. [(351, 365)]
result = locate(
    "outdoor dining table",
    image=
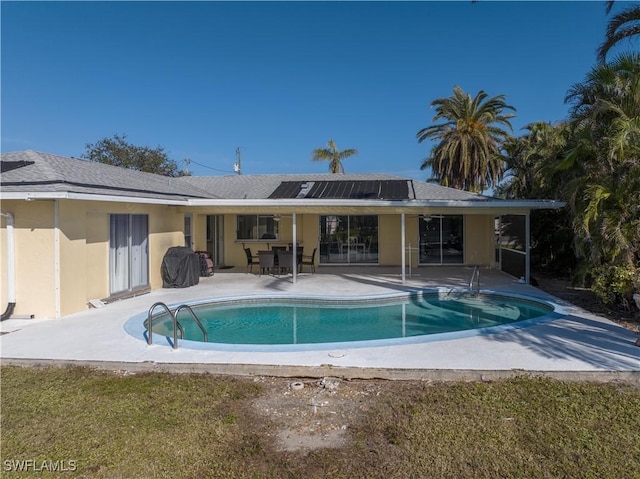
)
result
[(276, 252)]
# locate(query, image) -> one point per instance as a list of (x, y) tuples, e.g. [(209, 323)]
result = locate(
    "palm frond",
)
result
[(618, 29)]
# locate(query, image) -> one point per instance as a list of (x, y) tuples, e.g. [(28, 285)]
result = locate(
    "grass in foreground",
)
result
[(197, 426)]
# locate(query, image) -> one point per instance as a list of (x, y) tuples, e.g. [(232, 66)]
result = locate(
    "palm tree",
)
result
[(604, 164), (530, 160), (333, 156), (467, 155), (603, 82), (624, 25)]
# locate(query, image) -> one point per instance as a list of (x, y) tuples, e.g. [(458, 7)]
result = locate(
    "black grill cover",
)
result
[(180, 268)]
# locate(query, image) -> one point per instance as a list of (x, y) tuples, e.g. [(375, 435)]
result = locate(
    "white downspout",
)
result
[(56, 255), (11, 266)]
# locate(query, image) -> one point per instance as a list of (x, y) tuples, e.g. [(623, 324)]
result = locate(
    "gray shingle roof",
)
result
[(261, 186), (35, 172), (431, 191), (31, 171)]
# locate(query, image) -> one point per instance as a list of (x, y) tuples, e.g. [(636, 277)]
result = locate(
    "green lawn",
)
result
[(100, 424)]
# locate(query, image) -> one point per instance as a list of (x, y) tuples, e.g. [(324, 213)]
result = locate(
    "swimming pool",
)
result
[(286, 323)]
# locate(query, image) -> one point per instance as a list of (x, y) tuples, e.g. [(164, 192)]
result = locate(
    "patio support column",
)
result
[(527, 235), (402, 235), (295, 248)]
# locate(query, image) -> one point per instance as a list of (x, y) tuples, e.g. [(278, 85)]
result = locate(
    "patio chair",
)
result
[(309, 261), (285, 261), (266, 260), (251, 260), (299, 254)]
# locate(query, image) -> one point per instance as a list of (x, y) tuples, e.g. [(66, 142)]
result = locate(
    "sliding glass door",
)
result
[(348, 239), (215, 238), (441, 239), (128, 253)]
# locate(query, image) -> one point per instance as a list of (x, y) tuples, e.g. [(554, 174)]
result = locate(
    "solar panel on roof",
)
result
[(7, 166), (286, 189), (358, 189)]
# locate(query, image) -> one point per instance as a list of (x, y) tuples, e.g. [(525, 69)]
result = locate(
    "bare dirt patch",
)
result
[(309, 414)]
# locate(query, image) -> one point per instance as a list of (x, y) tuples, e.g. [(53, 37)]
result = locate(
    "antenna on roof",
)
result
[(237, 165)]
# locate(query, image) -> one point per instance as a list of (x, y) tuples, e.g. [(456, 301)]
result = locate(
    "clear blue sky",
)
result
[(278, 79)]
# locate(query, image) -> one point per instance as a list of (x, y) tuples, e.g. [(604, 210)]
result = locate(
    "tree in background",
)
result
[(530, 174), (604, 184), (467, 154), (591, 161), (623, 25), (117, 151), (333, 156)]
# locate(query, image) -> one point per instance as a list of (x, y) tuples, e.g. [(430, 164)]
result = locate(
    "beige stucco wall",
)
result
[(479, 240), (166, 225), (97, 249), (389, 240), (306, 233), (478, 244), (34, 257), (83, 248), (73, 257), (307, 226)]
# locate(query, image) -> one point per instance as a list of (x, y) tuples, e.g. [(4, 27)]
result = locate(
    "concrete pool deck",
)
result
[(577, 345)]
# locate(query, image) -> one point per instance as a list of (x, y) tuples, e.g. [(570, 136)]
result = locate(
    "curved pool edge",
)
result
[(134, 325)]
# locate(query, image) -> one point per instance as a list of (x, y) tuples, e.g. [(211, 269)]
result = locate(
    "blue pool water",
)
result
[(296, 321)]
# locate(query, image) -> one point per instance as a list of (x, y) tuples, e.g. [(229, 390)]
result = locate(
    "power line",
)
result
[(209, 167)]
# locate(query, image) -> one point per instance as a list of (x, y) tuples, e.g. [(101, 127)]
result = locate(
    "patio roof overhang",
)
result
[(306, 205), (311, 206)]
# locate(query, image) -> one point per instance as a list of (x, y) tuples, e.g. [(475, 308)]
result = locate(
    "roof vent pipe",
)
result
[(11, 267)]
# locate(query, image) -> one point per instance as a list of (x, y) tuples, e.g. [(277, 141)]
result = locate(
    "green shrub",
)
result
[(616, 284)]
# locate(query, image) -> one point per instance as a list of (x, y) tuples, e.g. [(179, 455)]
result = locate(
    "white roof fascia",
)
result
[(34, 196), (289, 203), (531, 204)]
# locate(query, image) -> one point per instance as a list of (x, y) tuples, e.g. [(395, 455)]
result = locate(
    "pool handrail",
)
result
[(197, 320), (475, 273), (174, 317)]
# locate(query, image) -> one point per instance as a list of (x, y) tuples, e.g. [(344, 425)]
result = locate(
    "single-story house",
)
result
[(74, 231)]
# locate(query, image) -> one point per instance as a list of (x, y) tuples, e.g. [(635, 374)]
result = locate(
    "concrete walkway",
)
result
[(576, 344)]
